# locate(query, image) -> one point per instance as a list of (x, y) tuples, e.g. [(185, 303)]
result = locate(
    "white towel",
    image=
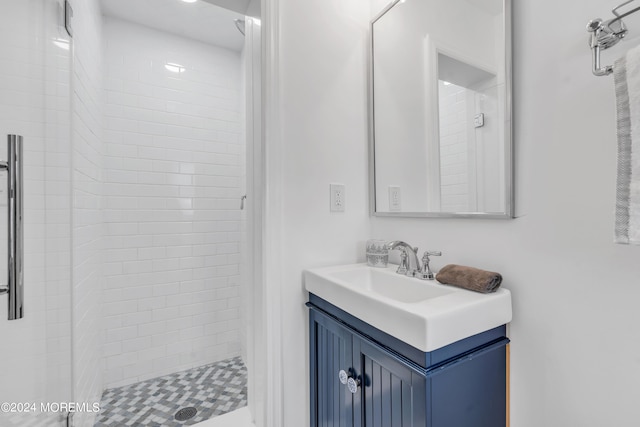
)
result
[(627, 84)]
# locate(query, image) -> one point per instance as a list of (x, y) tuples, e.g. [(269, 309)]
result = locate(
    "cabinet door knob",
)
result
[(353, 384), (343, 377)]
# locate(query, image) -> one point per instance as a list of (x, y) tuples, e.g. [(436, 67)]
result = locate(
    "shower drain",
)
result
[(186, 413)]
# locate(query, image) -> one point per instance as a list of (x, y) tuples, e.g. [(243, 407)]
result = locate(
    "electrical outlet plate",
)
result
[(338, 197), (395, 198)]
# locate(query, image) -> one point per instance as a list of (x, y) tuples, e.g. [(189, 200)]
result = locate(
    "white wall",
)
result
[(404, 128), (487, 148), (86, 187), (574, 334), (172, 193), (253, 9), (324, 136)]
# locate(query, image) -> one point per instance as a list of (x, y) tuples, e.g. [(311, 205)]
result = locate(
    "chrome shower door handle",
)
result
[(15, 236)]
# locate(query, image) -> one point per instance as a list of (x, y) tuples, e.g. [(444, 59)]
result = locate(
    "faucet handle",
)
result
[(426, 273), (425, 258), (404, 262)]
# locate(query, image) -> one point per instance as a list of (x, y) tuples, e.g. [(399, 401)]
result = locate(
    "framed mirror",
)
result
[(440, 109)]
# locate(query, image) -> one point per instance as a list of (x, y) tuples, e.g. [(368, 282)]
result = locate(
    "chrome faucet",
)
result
[(408, 257)]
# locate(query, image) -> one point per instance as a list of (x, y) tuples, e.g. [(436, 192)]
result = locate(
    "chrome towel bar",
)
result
[(15, 236)]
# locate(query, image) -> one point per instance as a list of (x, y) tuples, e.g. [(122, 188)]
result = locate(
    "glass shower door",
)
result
[(35, 375)]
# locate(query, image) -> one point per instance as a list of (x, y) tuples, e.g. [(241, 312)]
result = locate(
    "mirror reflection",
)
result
[(441, 123)]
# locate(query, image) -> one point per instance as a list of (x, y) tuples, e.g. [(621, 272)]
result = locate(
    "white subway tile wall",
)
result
[(172, 186), (87, 228), (245, 290), (454, 161)]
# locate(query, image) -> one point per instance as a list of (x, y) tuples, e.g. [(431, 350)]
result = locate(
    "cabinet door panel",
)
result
[(472, 391), (393, 394), (331, 351)]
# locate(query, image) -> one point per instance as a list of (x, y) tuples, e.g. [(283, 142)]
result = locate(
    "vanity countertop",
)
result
[(425, 314)]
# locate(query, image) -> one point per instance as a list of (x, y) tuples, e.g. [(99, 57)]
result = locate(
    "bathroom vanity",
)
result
[(392, 384), (388, 350), (362, 375)]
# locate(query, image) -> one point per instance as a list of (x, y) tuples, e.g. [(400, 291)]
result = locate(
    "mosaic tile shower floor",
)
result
[(213, 390)]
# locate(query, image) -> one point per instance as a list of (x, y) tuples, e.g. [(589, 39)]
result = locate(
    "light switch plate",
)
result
[(338, 197), (395, 198), (478, 120)]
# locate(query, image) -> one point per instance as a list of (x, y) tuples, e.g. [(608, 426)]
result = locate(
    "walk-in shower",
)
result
[(126, 209)]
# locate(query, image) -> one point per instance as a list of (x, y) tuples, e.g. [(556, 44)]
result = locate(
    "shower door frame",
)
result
[(267, 242), (38, 357)]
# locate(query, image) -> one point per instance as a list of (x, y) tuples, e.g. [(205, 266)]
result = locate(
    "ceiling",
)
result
[(493, 7), (201, 20), (239, 6)]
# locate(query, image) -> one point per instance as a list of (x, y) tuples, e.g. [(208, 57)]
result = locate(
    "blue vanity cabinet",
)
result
[(332, 350), (460, 385), (389, 393), (393, 393)]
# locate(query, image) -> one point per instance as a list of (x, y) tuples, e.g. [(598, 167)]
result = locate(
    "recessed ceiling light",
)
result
[(189, 1), (174, 68)]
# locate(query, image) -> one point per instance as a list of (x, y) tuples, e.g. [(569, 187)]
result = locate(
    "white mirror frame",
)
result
[(509, 211)]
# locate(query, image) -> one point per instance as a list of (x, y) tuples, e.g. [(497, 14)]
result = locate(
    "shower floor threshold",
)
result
[(215, 389), (238, 418)]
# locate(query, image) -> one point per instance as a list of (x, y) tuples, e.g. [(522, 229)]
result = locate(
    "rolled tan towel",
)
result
[(470, 278)]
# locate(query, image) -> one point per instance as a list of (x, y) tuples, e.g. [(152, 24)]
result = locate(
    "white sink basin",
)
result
[(422, 313)]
